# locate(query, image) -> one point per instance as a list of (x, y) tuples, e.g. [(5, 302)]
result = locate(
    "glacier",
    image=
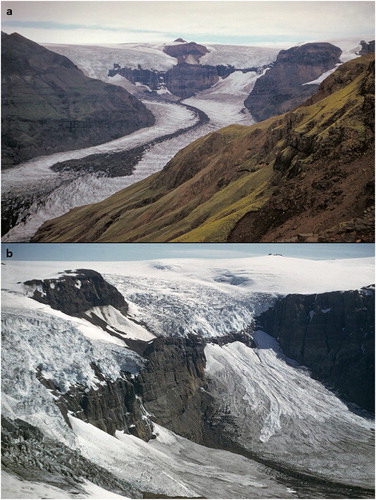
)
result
[(278, 407), (283, 419), (45, 194)]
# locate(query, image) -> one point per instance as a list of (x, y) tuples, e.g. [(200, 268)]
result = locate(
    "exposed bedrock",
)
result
[(333, 335), (367, 47), (112, 405), (32, 456), (185, 78), (186, 51), (182, 80), (281, 88), (170, 384), (76, 292)]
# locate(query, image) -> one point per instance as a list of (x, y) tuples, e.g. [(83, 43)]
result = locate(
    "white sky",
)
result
[(239, 22), (145, 251)]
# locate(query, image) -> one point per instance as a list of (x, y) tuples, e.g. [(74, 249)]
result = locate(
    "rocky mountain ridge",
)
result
[(276, 92), (49, 105), (183, 79), (289, 178), (284, 85)]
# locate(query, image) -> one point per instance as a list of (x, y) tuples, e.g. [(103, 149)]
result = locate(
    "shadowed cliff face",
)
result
[(182, 80), (49, 105), (333, 335), (170, 384), (281, 89)]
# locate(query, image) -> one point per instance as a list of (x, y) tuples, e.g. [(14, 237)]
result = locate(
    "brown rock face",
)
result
[(281, 89), (324, 165), (184, 79), (49, 105), (333, 335)]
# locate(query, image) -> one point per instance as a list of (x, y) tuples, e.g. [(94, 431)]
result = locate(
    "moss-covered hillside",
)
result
[(303, 176)]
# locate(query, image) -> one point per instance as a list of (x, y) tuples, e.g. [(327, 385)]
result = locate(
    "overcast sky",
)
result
[(236, 22), (114, 252)]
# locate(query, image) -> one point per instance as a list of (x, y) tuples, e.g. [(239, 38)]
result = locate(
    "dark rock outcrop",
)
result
[(333, 335), (186, 51), (152, 78), (112, 405), (170, 384), (184, 79), (76, 292), (367, 47), (318, 158), (32, 456), (49, 105), (281, 88)]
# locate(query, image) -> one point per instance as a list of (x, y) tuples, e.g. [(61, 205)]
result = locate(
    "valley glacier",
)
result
[(269, 405), (34, 193)]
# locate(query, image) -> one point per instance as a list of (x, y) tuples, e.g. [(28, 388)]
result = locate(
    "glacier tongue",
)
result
[(284, 416), (174, 466)]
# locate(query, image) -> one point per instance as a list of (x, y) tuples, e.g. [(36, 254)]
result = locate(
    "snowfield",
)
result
[(280, 411), (95, 61), (208, 297)]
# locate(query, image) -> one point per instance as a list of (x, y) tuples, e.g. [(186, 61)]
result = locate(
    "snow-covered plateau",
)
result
[(286, 420)]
